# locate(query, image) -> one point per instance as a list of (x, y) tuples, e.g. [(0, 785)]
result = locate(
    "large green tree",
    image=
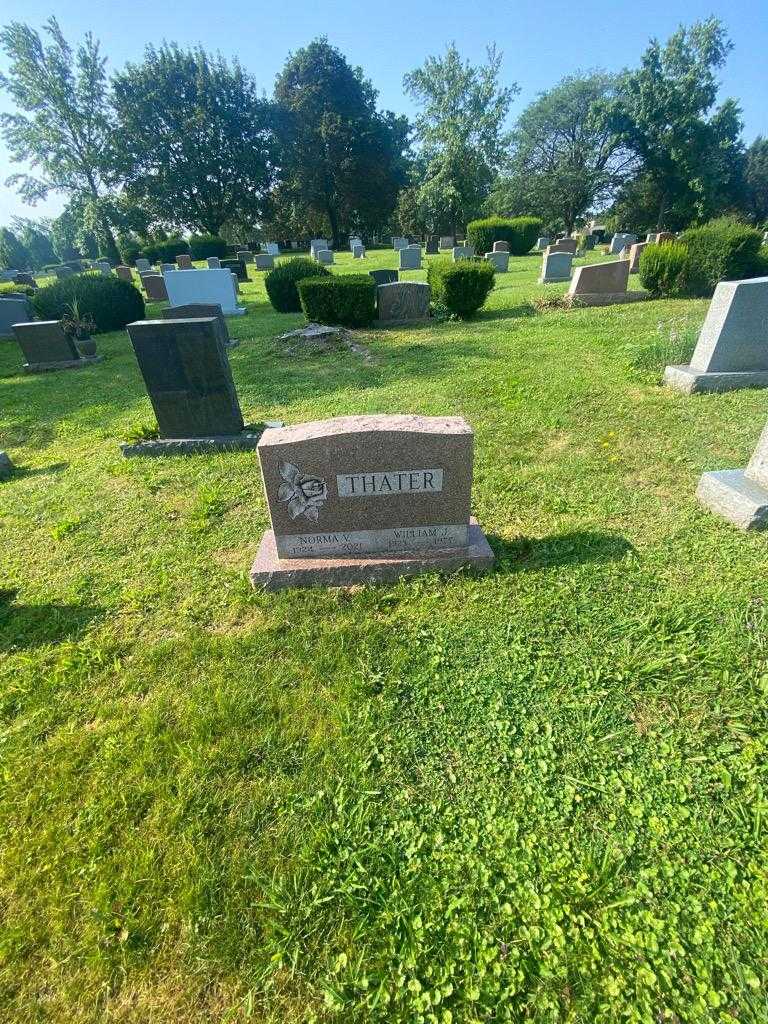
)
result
[(756, 180), (35, 236), (663, 112), (341, 158), (13, 255), (459, 134), (63, 126), (564, 159), (197, 141)]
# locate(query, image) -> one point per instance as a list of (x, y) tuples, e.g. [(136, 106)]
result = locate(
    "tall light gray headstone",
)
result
[(399, 243), (324, 256), (620, 240), (740, 495), (499, 259), (732, 350), (410, 258), (462, 252), (556, 266)]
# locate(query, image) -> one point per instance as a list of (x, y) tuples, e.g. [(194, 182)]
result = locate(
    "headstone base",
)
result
[(732, 495), (247, 440), (606, 298), (274, 573), (553, 280), (683, 378), (68, 364)]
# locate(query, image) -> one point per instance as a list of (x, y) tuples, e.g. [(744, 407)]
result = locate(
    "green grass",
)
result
[(537, 795)]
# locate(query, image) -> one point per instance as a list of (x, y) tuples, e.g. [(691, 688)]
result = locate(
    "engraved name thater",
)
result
[(394, 481)]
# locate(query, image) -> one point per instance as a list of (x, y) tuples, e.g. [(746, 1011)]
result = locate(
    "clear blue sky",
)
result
[(541, 41)]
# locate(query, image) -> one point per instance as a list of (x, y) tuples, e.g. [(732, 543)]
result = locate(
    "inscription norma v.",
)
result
[(390, 483)]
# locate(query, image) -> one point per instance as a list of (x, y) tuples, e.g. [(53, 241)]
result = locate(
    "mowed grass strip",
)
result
[(533, 795)]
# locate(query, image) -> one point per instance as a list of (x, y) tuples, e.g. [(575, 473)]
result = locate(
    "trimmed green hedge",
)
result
[(165, 252), (9, 288), (664, 269), (203, 246), (463, 287), (281, 282), (111, 302), (347, 299), (722, 250), (520, 232)]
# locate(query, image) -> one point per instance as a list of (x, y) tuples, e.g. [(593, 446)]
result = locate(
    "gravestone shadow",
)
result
[(32, 625), (579, 547), (19, 472)]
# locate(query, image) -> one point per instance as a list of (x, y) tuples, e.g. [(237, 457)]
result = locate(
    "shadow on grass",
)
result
[(521, 312), (19, 472), (35, 624), (576, 548)]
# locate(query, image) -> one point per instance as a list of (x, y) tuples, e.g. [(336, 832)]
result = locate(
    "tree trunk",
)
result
[(333, 220)]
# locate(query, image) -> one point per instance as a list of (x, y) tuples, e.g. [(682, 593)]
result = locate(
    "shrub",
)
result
[(203, 246), (347, 299), (664, 269), (722, 250), (520, 232), (9, 288), (165, 252), (281, 282), (463, 287), (111, 303)]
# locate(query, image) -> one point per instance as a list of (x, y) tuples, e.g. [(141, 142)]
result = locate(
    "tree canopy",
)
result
[(197, 141), (341, 159), (459, 133)]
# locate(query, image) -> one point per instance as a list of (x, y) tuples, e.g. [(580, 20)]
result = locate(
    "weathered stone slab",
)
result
[(143, 266), (384, 276), (47, 347), (212, 287), (600, 279), (184, 261), (564, 245), (358, 252), (124, 273), (732, 349), (378, 490), (433, 245), (272, 249), (555, 266), (316, 244), (463, 252), (620, 240), (324, 256), (354, 240), (14, 309), (542, 243), (188, 378), (447, 241), (264, 261), (201, 311), (403, 301), (501, 246), (246, 256), (154, 286), (410, 258), (399, 243), (635, 252), (499, 259), (214, 263), (740, 495)]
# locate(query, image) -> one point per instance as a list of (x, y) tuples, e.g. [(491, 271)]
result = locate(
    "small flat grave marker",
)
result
[(47, 347)]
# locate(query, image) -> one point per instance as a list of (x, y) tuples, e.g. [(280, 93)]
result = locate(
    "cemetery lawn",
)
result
[(536, 795)]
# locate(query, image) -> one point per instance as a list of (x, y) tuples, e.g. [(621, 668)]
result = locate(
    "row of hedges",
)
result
[(199, 247), (111, 302), (723, 250), (347, 299), (520, 232), (463, 287)]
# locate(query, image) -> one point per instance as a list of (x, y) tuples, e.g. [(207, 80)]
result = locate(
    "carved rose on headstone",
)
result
[(305, 494)]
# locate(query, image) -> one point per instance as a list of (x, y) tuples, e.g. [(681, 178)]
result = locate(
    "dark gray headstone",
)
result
[(236, 267), (23, 277), (14, 309), (44, 342), (384, 276), (432, 245), (186, 371), (198, 311)]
